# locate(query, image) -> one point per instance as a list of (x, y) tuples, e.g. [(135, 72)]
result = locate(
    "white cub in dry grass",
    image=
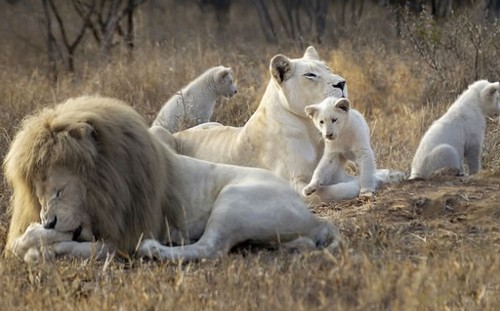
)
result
[(459, 133), (195, 103), (347, 137)]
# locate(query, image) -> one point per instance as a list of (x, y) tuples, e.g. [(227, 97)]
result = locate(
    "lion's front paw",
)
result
[(308, 190), (39, 254), (150, 249)]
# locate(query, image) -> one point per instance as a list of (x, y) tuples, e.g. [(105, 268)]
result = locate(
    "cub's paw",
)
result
[(308, 190), (366, 194)]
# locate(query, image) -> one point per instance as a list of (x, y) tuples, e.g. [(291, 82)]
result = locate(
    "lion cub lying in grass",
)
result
[(459, 133), (347, 137)]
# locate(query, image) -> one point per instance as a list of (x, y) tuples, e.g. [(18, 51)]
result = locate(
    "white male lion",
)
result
[(459, 133), (195, 103), (347, 137), (279, 136), (88, 178)]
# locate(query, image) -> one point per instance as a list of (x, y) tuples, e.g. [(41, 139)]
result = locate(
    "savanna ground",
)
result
[(426, 245)]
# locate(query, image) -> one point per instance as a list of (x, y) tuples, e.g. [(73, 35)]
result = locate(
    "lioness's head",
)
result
[(61, 194), (305, 81), (330, 116)]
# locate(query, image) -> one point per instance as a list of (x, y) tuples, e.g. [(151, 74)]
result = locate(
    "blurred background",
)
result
[(404, 61)]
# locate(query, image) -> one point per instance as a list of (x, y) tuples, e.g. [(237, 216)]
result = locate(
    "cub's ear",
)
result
[(281, 68), (490, 89), (221, 75), (82, 130), (311, 53), (311, 111), (343, 104)]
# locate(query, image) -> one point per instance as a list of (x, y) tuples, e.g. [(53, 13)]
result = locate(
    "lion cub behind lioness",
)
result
[(195, 103), (347, 137), (459, 133)]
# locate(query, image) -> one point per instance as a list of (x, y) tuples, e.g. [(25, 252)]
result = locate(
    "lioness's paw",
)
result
[(308, 190), (150, 249)]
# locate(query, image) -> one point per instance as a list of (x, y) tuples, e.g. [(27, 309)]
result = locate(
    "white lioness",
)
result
[(459, 133), (279, 136), (88, 179), (195, 103), (347, 137)]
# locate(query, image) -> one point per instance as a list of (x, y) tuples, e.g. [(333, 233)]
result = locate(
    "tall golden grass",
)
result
[(416, 246)]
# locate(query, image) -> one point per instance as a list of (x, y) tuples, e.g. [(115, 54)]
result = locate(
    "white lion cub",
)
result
[(347, 137), (195, 103), (459, 133)]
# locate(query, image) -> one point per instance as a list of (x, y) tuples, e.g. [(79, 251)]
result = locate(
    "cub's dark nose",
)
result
[(51, 224)]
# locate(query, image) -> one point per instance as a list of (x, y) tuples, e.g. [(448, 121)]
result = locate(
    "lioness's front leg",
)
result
[(37, 236), (298, 165)]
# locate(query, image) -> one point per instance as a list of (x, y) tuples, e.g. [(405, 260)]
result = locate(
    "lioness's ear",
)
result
[(311, 53), (343, 104), (81, 130), (311, 111), (281, 68)]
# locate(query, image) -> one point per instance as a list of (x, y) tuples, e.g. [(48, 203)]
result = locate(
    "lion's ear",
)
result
[(81, 130), (281, 68), (311, 111), (343, 104), (311, 53)]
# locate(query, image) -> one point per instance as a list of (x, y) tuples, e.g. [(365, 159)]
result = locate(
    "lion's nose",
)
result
[(51, 224), (329, 136)]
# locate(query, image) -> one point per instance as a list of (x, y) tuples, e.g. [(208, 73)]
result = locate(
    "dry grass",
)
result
[(416, 246)]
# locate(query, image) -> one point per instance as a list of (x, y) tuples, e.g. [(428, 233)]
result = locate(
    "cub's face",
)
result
[(61, 195), (226, 85), (491, 99), (305, 81), (330, 116)]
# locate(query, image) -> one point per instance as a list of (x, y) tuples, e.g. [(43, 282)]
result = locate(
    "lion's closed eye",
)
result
[(310, 75)]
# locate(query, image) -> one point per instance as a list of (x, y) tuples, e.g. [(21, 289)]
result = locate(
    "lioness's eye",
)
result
[(321, 122), (310, 75), (58, 193), (334, 120)]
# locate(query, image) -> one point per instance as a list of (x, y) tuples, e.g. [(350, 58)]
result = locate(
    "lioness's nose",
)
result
[(51, 224), (340, 85)]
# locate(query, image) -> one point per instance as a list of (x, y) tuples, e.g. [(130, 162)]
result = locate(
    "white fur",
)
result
[(202, 208), (459, 133), (223, 206), (279, 136), (195, 103), (347, 137)]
